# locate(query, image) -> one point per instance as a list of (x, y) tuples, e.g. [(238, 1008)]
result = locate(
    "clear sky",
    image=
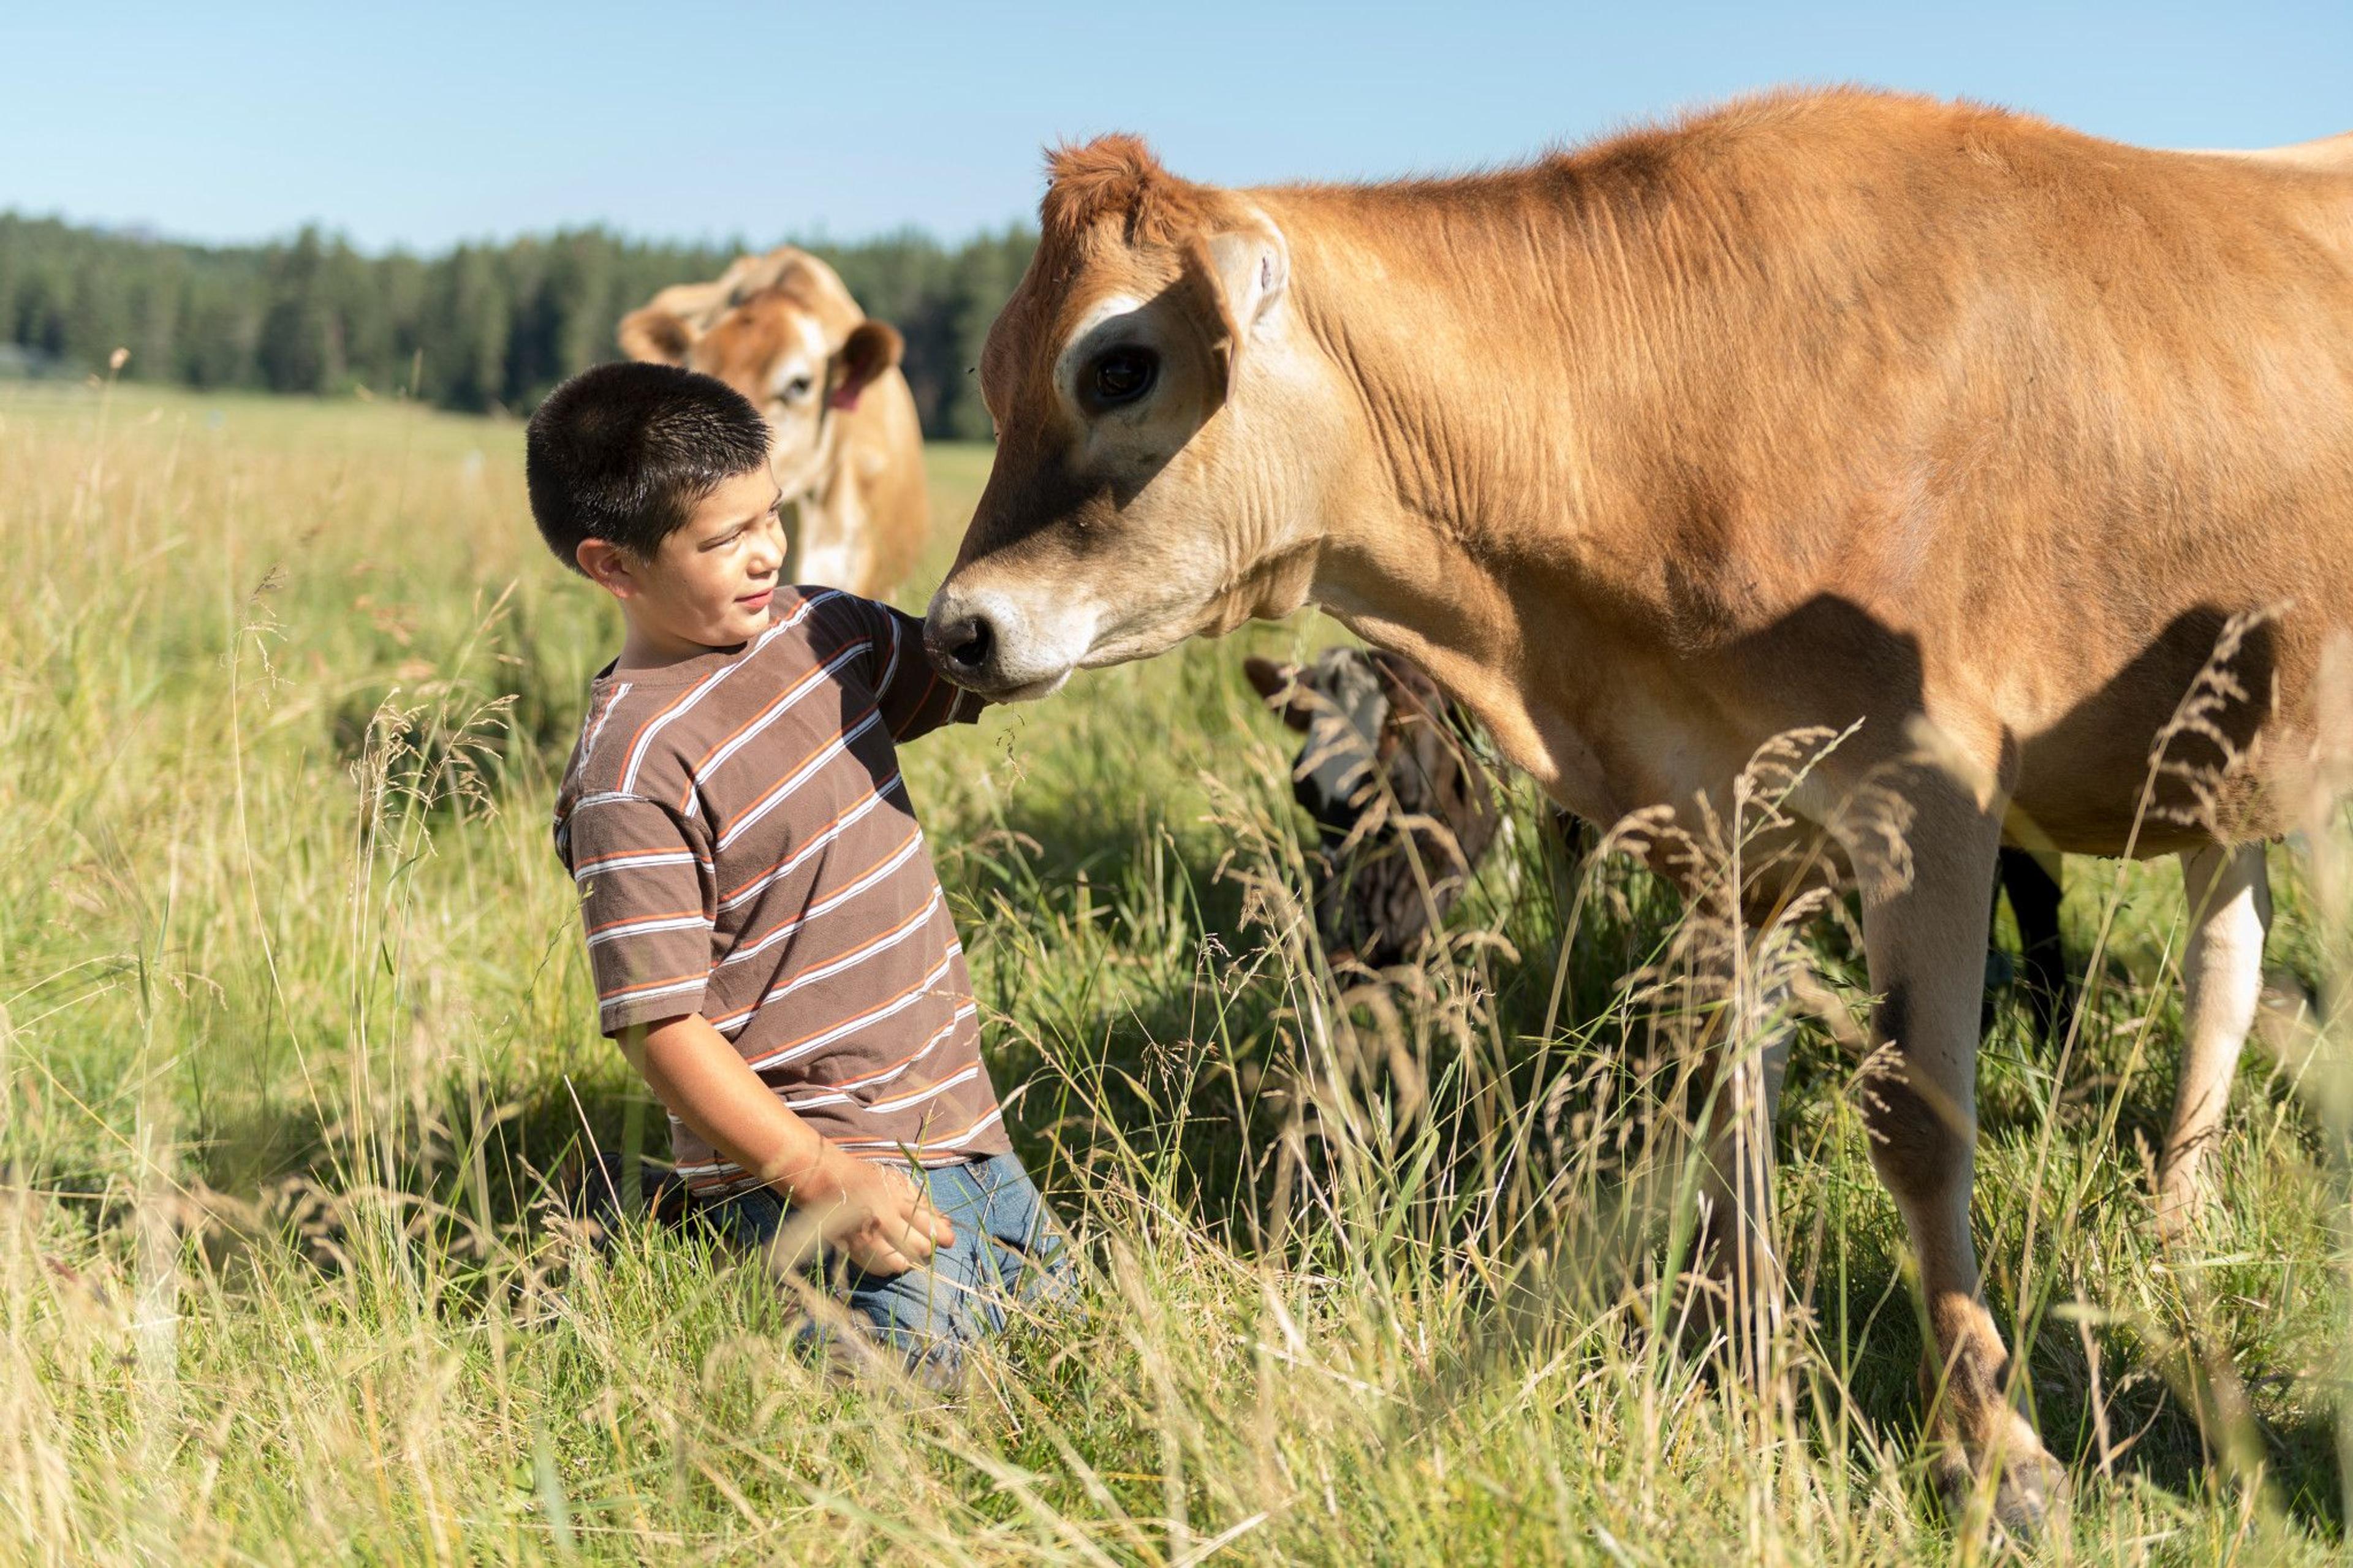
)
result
[(421, 123)]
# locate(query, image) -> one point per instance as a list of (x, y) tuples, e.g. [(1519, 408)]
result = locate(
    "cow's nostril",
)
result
[(971, 642)]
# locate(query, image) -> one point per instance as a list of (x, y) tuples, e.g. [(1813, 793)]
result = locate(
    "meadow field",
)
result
[(294, 1028)]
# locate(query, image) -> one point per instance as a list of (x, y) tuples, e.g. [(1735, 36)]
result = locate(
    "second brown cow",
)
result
[(846, 446)]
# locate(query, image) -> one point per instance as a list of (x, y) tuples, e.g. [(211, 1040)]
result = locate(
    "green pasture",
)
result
[(294, 1024)]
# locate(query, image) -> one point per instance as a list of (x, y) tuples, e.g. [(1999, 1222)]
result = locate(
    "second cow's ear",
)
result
[(1278, 686), (871, 349), (656, 335)]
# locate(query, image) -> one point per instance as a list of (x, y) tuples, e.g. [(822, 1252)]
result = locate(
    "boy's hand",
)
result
[(873, 1213), (876, 1215)]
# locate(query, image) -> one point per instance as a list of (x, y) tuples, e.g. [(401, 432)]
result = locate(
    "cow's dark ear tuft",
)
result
[(1278, 686), (872, 348)]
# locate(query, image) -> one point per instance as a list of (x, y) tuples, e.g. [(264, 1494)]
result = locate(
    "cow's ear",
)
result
[(1244, 271), (656, 335), (1253, 265), (871, 349), (1238, 279), (1278, 686)]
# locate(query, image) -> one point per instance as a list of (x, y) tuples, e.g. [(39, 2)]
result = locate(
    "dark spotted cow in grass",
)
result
[(1405, 810), (1388, 762)]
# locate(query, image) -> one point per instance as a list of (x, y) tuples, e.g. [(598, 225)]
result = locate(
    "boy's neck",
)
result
[(645, 649)]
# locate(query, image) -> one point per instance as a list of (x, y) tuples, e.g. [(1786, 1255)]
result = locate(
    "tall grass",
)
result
[(293, 1026)]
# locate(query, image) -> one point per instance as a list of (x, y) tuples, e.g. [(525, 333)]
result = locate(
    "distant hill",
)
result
[(476, 328)]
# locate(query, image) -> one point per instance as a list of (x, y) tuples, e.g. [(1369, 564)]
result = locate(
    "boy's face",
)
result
[(709, 584)]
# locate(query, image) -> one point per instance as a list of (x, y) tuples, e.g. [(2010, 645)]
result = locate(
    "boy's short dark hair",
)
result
[(623, 452)]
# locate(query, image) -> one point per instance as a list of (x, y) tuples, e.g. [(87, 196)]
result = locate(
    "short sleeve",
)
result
[(646, 902), (914, 697)]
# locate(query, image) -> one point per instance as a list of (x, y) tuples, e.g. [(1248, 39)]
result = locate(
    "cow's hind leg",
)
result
[(2221, 984), (2033, 882), (1923, 936)]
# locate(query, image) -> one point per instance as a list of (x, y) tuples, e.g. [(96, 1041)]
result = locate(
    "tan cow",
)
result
[(847, 449), (1823, 410)]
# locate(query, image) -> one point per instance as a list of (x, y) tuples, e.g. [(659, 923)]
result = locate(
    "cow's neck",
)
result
[(1482, 524)]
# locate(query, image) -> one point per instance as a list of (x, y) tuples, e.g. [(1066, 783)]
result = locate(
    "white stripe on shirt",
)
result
[(711, 683), (647, 928), (813, 682), (634, 861), (647, 992), (800, 776), (827, 904), (919, 992), (966, 1075), (794, 862), (967, 1136)]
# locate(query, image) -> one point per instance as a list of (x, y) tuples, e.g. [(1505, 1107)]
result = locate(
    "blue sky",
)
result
[(419, 125)]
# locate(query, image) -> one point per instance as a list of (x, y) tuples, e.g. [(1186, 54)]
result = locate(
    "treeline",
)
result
[(479, 328)]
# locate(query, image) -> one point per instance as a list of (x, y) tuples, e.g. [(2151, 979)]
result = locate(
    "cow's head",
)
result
[(781, 330), (1404, 810), (1157, 426)]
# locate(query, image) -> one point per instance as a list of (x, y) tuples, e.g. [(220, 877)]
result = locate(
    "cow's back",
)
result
[(2036, 416), (2180, 393)]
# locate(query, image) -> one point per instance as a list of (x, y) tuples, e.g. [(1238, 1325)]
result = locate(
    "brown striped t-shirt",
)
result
[(745, 849)]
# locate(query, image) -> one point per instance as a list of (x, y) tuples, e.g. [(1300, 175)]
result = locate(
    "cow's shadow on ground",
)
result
[(2110, 1403)]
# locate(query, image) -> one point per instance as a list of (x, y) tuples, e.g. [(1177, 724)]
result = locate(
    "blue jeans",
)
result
[(1008, 1252)]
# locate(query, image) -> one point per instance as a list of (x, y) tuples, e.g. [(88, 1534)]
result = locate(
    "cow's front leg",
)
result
[(1924, 937)]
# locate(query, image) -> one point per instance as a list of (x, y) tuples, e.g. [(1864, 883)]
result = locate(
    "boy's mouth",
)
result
[(758, 601)]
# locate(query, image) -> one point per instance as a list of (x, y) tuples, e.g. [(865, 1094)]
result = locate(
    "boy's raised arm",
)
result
[(915, 698)]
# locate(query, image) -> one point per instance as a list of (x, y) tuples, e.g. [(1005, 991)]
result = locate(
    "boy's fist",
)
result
[(878, 1218)]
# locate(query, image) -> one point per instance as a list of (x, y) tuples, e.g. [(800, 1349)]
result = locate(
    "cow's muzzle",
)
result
[(986, 642)]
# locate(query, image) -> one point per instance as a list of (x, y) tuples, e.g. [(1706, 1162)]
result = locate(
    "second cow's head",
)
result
[(1404, 809), (781, 330)]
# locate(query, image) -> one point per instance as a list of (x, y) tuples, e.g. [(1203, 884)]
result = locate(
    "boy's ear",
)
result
[(656, 335), (871, 349), (1278, 686), (608, 565)]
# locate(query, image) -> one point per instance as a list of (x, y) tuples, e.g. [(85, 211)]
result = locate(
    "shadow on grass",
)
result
[(1169, 1066)]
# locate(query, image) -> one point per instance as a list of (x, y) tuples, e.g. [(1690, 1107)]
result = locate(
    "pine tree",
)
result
[(491, 326)]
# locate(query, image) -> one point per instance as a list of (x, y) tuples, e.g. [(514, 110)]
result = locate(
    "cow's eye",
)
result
[(1122, 375)]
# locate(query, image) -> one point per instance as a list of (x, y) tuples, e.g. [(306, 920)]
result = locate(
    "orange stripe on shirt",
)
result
[(861, 950), (916, 712), (792, 774), (898, 849), (784, 699), (928, 982), (838, 818)]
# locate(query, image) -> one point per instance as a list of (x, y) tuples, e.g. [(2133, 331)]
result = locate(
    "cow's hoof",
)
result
[(2031, 1488), (2030, 1492)]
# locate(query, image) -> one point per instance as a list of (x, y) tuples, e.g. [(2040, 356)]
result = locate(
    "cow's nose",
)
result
[(962, 645)]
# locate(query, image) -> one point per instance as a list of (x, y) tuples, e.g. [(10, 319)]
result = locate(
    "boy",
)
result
[(769, 939)]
